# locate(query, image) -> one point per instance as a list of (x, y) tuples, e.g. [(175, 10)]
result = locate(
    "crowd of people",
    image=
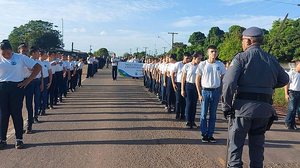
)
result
[(245, 87), (42, 78)]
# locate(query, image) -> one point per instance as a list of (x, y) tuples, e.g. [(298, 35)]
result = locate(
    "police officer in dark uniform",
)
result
[(252, 76)]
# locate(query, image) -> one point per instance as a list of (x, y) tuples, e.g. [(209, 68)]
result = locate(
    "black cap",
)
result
[(173, 56), (5, 45), (253, 32)]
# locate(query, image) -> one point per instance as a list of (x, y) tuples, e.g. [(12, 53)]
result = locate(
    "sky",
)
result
[(131, 25)]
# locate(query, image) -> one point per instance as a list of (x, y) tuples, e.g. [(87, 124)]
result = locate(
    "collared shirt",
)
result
[(294, 80), (178, 70), (12, 70), (80, 65), (190, 71), (114, 61), (39, 75), (59, 65), (45, 68), (211, 73)]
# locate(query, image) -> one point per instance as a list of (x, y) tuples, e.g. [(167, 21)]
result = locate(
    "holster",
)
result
[(273, 118)]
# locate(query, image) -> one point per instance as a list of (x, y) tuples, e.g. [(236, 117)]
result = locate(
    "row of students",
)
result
[(42, 78), (180, 85)]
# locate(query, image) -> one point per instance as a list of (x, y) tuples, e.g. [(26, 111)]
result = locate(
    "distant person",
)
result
[(114, 64), (292, 95), (12, 84)]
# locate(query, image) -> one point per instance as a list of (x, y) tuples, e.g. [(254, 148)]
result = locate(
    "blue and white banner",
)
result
[(129, 69)]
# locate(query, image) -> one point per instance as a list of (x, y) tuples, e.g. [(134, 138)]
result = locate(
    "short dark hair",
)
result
[(212, 47), (186, 54), (197, 54), (33, 49), (5, 45)]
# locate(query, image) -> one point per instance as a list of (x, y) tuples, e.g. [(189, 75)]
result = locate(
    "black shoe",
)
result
[(19, 144), (205, 139), (212, 140), (177, 118), (182, 118), (189, 125), (295, 127), (194, 125), (28, 130), (35, 120), (3, 144), (288, 126)]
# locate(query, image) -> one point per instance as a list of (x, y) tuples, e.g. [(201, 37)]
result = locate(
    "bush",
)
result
[(279, 98)]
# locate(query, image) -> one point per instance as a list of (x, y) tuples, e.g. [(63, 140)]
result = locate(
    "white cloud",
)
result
[(225, 22), (78, 30), (102, 33), (234, 2)]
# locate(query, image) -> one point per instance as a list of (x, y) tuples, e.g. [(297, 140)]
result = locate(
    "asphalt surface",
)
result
[(118, 124)]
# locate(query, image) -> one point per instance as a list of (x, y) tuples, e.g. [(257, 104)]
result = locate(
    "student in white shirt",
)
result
[(188, 89), (208, 82), (79, 71), (12, 84), (176, 82), (292, 95), (47, 79), (114, 64), (170, 93)]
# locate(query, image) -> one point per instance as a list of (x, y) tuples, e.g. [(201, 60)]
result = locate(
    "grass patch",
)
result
[(279, 98)]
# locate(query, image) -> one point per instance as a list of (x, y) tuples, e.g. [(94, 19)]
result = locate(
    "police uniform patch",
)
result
[(13, 63)]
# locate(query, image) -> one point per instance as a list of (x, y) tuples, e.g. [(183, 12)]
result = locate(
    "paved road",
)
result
[(113, 124)]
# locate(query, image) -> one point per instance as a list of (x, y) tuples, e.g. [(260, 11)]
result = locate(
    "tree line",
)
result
[(286, 48)]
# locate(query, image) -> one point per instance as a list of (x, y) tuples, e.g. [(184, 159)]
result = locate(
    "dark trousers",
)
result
[(11, 102), (170, 93), (44, 95), (60, 85), (28, 91), (36, 96), (114, 72), (293, 108), (52, 90), (79, 74), (89, 71), (191, 102), (180, 102), (255, 129)]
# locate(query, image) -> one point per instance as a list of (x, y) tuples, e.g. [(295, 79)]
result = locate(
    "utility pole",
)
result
[(145, 51), (72, 47), (172, 33), (137, 50), (90, 48), (130, 51), (62, 30)]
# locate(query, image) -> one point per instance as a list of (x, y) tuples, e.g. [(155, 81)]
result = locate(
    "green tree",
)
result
[(101, 52), (215, 37), (36, 33), (179, 49), (197, 38), (286, 46), (232, 43)]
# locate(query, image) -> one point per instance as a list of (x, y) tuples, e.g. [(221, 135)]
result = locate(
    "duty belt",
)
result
[(267, 98), (210, 89)]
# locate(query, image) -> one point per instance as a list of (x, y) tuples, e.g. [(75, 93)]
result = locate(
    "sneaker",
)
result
[(19, 144), (205, 139), (295, 127), (28, 130), (3, 144), (212, 140)]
